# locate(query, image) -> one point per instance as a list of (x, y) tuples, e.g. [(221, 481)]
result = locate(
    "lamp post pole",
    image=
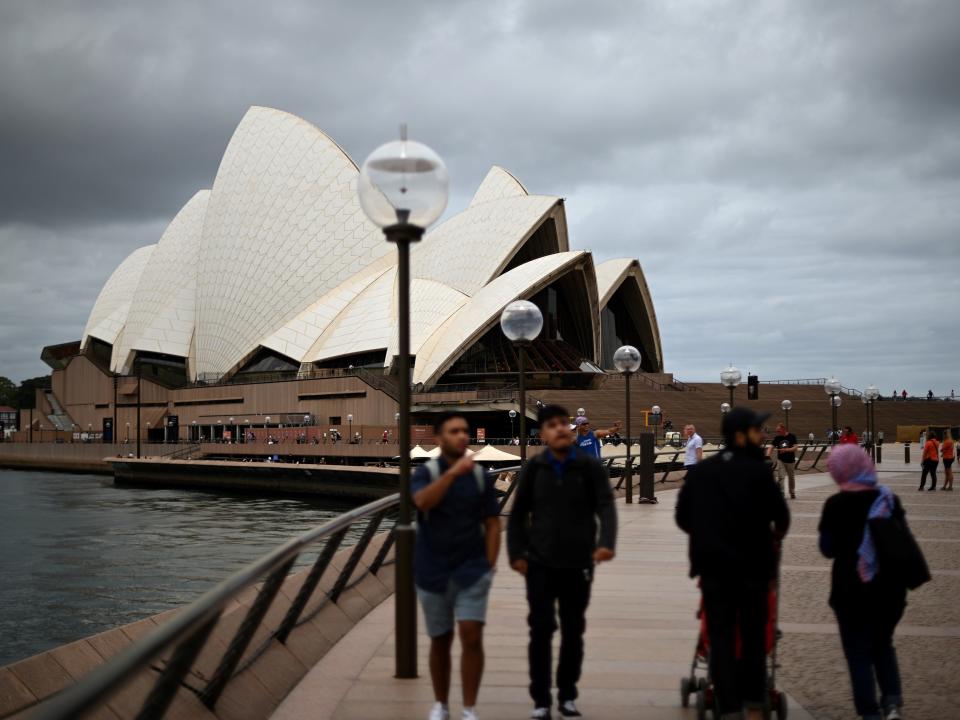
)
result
[(403, 189), (832, 387), (626, 359), (786, 405), (657, 415), (139, 378), (521, 321), (522, 385)]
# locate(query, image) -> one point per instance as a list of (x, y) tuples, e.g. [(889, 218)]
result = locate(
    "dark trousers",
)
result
[(929, 466), (550, 590), (733, 606), (868, 645)]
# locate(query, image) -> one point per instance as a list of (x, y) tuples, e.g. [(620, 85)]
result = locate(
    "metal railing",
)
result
[(187, 632)]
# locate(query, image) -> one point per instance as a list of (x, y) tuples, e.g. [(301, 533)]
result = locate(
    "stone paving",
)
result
[(642, 627)]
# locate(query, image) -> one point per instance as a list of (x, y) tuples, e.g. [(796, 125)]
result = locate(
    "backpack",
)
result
[(433, 467), (898, 555)]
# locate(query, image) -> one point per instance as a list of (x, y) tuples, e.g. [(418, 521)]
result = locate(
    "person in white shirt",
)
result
[(693, 451)]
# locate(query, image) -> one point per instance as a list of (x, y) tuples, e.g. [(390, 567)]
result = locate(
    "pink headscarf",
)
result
[(851, 468)]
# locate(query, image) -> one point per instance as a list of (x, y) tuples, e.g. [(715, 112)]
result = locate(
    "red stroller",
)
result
[(703, 685)]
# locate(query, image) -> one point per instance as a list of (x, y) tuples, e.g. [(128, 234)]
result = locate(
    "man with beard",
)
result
[(735, 515)]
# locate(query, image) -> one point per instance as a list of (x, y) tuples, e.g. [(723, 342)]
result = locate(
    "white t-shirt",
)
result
[(690, 454)]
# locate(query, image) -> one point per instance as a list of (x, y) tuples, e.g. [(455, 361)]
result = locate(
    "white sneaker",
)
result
[(893, 714), (540, 713), (439, 712), (469, 714)]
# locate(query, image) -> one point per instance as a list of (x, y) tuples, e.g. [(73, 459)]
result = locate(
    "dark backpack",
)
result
[(899, 557)]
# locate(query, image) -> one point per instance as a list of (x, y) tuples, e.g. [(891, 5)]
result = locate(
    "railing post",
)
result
[(647, 457), (309, 585), (382, 552), (358, 550), (167, 685), (221, 676), (906, 453)]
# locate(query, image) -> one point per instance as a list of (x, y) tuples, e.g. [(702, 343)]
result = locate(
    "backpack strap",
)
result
[(481, 475)]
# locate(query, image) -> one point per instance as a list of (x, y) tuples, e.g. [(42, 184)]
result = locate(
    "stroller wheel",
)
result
[(701, 704), (685, 691), (781, 706)]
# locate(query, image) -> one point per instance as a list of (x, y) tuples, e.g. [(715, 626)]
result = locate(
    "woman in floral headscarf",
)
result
[(868, 606)]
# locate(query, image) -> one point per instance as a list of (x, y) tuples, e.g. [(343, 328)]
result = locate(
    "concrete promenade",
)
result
[(641, 630)]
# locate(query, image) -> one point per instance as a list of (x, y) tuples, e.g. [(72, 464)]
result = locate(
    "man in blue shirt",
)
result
[(588, 440), (458, 539)]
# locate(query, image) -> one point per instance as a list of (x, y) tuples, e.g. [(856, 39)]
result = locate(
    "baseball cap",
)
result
[(580, 420), (741, 419)]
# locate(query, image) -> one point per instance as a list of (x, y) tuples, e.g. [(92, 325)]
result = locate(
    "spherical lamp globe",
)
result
[(512, 414), (724, 408), (626, 359), (403, 181), (655, 410), (832, 386), (730, 377), (581, 412), (521, 321), (872, 392), (786, 405), (836, 400)]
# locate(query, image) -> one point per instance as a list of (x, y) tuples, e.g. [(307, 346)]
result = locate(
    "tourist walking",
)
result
[(784, 445), (735, 517), (868, 604), (458, 539), (904, 394), (589, 440), (929, 461), (554, 542), (948, 451), (693, 450), (848, 436)]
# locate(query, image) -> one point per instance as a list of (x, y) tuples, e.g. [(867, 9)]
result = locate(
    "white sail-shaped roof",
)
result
[(278, 255), (109, 312), (283, 228), (163, 310), (474, 318), (497, 185), (611, 275)]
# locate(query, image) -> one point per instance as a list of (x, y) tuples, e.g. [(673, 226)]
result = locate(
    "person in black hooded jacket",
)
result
[(735, 515), (552, 540)]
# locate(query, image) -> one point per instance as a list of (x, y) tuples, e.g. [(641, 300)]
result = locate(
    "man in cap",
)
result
[(735, 516), (587, 439)]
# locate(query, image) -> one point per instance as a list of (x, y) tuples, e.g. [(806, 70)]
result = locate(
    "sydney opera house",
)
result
[(270, 301)]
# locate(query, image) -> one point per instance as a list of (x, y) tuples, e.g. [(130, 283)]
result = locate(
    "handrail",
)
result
[(188, 630)]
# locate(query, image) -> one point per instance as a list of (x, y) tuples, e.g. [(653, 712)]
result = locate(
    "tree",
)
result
[(8, 392), (26, 393)]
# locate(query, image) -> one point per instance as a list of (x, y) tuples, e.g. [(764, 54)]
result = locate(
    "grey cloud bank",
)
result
[(788, 173)]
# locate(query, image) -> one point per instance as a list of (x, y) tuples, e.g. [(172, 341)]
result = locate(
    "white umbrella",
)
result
[(418, 453), (491, 454)]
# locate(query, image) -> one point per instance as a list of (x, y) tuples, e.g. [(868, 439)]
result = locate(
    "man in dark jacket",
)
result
[(735, 516), (552, 541)]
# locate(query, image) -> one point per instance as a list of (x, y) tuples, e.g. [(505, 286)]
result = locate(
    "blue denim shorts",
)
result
[(460, 603)]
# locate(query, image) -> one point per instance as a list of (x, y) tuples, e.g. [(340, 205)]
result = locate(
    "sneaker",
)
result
[(568, 709), (439, 712), (540, 713), (893, 714), (469, 714)]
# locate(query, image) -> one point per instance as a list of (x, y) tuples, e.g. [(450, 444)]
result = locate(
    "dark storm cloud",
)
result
[(788, 173)]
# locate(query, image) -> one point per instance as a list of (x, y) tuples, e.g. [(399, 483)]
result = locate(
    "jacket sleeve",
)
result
[(518, 526), (684, 510), (779, 512), (606, 510)]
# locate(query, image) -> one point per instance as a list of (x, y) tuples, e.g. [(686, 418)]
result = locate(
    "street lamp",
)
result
[(832, 387), (657, 415), (872, 394), (786, 405), (403, 189), (350, 421), (513, 415), (626, 359), (724, 408), (521, 321), (128, 433), (581, 412), (730, 378)]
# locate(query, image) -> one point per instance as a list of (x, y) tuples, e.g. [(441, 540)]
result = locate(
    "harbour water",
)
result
[(79, 556)]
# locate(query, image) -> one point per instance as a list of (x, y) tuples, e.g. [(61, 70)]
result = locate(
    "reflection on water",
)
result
[(79, 556)]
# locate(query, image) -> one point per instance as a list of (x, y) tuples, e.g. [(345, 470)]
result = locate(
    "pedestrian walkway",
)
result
[(641, 629)]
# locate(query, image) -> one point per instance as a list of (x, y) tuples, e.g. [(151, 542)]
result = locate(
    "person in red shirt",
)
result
[(929, 462), (849, 437), (948, 450)]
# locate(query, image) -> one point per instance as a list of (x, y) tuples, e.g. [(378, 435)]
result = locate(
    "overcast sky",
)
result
[(787, 172)]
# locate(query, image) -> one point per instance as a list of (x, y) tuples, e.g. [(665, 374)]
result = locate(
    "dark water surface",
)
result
[(79, 556)]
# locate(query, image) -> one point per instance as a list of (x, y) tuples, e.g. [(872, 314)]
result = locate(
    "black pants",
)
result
[(549, 590), (731, 605), (929, 466), (867, 639)]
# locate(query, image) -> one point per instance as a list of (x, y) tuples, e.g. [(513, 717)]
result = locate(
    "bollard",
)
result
[(906, 453), (879, 451), (647, 458)]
